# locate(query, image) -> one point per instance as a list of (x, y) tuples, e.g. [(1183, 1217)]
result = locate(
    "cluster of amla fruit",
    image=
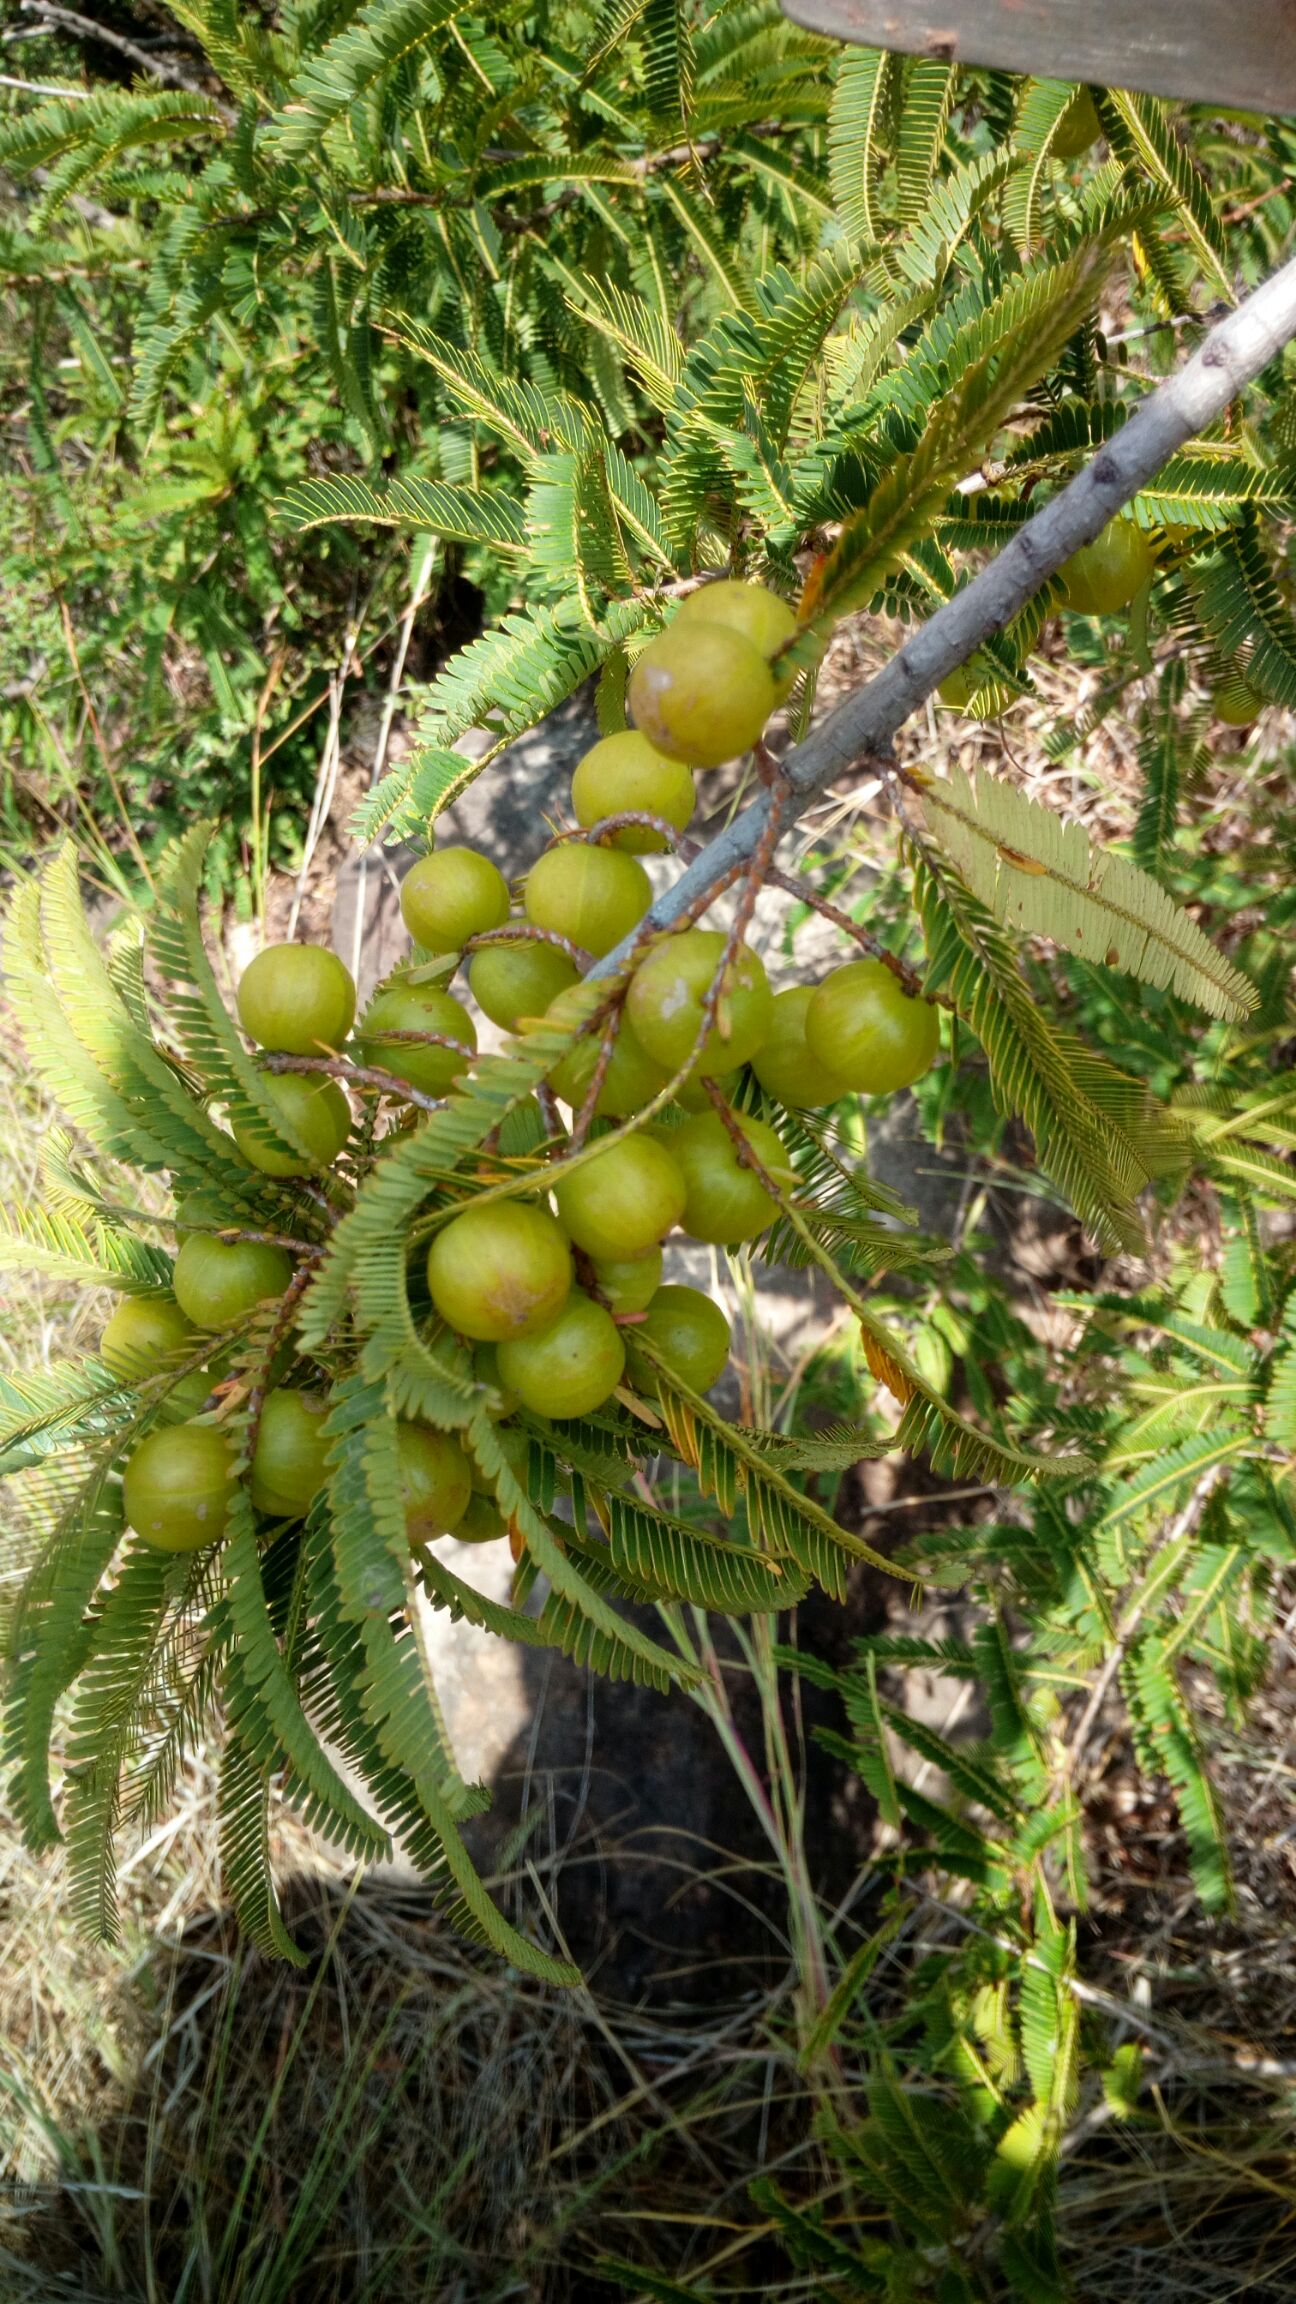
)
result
[(557, 1289)]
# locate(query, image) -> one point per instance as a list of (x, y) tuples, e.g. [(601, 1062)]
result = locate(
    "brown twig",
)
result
[(362, 1075), (228, 1235), (867, 943), (627, 819), (522, 932), (748, 1156), (288, 1304), (607, 1048)]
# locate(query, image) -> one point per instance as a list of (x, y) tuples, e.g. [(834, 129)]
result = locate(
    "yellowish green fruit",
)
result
[(726, 1201), (1103, 577), (290, 1460), (754, 611), (623, 773), (1078, 128), (177, 1486), (784, 1063), (593, 895), (405, 1007), (700, 692), (1236, 705), (143, 1334), (668, 991), (219, 1284), (499, 1271), (315, 1110), (514, 982), (451, 895), (480, 1522), (629, 1283), (435, 1481), (863, 1022), (297, 998), (572, 1366), (691, 1334), (630, 1082), (622, 1201)]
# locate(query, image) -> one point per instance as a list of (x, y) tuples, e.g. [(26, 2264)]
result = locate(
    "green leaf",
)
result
[(1042, 876)]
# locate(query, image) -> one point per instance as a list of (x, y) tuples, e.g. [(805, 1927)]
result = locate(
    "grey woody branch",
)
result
[(862, 727)]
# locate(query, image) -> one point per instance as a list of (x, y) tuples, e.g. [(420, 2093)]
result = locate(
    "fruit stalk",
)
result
[(863, 725)]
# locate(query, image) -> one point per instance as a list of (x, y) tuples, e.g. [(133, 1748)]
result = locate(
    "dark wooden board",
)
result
[(1236, 52)]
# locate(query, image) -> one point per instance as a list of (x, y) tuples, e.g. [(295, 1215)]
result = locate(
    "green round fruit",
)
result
[(315, 1109), (668, 988), (1078, 128), (297, 998), (177, 1485), (452, 895), (629, 1283), (691, 1334), (726, 1201), (1236, 705), (514, 982), (862, 1023), (499, 1271), (218, 1283), (435, 1479), (622, 773), (630, 1082), (570, 1367), (290, 1460), (751, 609), (959, 688), (593, 895), (622, 1201), (143, 1334), (1103, 577), (405, 1007), (485, 1360), (783, 1063), (480, 1522), (700, 692)]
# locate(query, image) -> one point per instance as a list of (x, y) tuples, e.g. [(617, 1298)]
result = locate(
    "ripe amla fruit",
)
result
[(514, 981), (298, 999), (666, 996), (1103, 577), (1236, 705), (750, 609), (622, 1201), (701, 692), (1078, 128), (435, 1481), (569, 1367), (876, 1037), (177, 1485), (451, 895), (218, 1282), (726, 1201), (499, 1271), (623, 773), (405, 1007), (785, 1064), (629, 1283), (143, 1334), (289, 1462), (691, 1334), (595, 896), (314, 1110), (630, 1081)]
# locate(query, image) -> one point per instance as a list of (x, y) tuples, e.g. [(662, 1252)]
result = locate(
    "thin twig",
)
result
[(867, 943), (522, 932), (365, 1075), (589, 1102)]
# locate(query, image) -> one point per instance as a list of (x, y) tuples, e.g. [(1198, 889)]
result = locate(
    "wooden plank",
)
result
[(1229, 52)]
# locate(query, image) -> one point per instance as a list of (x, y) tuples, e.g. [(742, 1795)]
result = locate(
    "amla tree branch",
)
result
[(1232, 355)]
